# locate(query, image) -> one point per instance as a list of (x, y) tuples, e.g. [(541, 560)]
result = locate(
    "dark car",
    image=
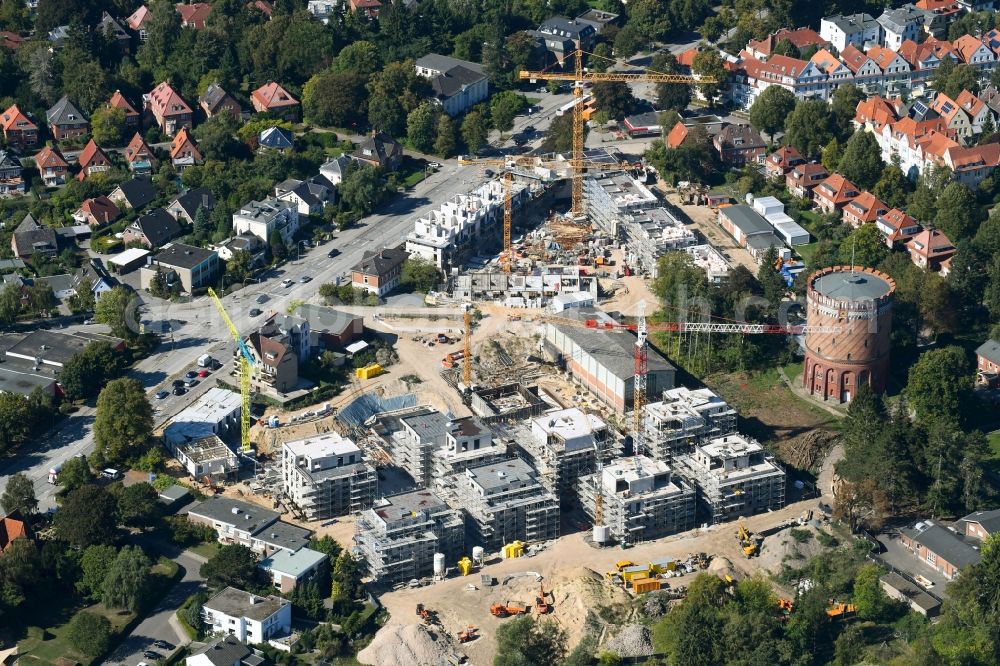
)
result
[(179, 390), (190, 374), (333, 253), (149, 654), (255, 312), (177, 382), (262, 298), (164, 645), (529, 128), (160, 395)]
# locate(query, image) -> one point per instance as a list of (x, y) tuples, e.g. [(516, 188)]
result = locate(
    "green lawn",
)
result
[(806, 251), (994, 441), (413, 178), (206, 550), (533, 100)]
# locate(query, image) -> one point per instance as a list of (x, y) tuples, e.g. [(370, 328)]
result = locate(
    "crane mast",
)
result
[(245, 362)]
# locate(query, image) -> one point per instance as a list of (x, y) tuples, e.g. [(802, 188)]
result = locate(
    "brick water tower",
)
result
[(858, 301)]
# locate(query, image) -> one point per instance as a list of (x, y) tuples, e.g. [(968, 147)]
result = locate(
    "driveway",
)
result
[(161, 623), (897, 556)]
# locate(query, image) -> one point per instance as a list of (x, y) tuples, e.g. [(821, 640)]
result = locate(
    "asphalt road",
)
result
[(157, 625)]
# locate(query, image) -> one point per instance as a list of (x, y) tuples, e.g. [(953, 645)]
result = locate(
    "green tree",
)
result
[(234, 565), (394, 93), (675, 96), (127, 580), (116, 308), (957, 212), (474, 131), (90, 633), (138, 505), (849, 648), (84, 374), (123, 423), (95, 563), (691, 633), (19, 496), (277, 246), (361, 189), (844, 105), (238, 267), (870, 599), (832, 155), (525, 641), (420, 274), (10, 303), (614, 98), (770, 109), (770, 279), (203, 226), (892, 187), (865, 246), (421, 125), (16, 421), (809, 126), (335, 98), (163, 30), (808, 625), (504, 106), (559, 135), (939, 383), (444, 144), (862, 162), (107, 126), (216, 137), (75, 472), (87, 517), (709, 64)]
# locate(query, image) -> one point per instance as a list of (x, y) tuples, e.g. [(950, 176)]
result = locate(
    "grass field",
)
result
[(206, 550)]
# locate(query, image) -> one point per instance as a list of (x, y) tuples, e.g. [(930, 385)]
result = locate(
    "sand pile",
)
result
[(583, 590), (783, 547), (632, 641), (408, 645)]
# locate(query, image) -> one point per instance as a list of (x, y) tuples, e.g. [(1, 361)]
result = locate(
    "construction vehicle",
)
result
[(470, 633), (542, 606), (841, 611), (785, 607), (246, 362), (425, 614), (748, 541), (621, 565), (506, 610)]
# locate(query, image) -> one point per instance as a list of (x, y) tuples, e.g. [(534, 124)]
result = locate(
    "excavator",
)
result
[(470, 633), (506, 610), (748, 541), (427, 615), (542, 606)]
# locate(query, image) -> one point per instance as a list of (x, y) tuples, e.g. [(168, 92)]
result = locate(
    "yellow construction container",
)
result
[(643, 585), (367, 372), (661, 565), (465, 566), (632, 573), (513, 549)]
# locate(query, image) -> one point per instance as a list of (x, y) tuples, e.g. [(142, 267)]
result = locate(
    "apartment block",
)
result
[(505, 501), (564, 445), (399, 536), (735, 476), (326, 476), (642, 499), (683, 418)]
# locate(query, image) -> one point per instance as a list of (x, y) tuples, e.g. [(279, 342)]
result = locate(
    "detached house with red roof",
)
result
[(272, 98), (976, 108), (803, 179), (194, 15), (930, 249), (971, 165), (97, 212), (864, 209), (368, 8), (92, 160), (18, 130), (216, 100), (169, 109), (138, 22), (139, 156), (183, 150), (874, 113), (740, 144), (782, 161), (834, 193), (118, 101), (677, 135), (12, 528), (800, 38), (51, 166), (897, 227)]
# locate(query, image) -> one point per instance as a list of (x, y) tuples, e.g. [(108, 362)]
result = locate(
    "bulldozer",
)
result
[(470, 633), (542, 606), (748, 542), (506, 610)]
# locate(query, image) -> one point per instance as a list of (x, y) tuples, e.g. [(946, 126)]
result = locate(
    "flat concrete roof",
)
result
[(848, 286)]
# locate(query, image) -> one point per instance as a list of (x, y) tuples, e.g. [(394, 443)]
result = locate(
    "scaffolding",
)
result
[(326, 476), (683, 418)]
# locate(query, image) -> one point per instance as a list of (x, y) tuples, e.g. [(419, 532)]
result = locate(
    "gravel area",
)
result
[(632, 641)]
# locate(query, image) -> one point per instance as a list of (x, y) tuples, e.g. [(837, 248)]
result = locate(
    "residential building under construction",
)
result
[(505, 501), (399, 536), (735, 476), (326, 476), (643, 499), (683, 418), (531, 289), (564, 445)]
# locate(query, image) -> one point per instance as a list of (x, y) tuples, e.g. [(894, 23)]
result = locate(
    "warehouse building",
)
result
[(735, 476), (506, 502), (604, 360), (683, 418), (399, 536), (326, 476), (643, 499)]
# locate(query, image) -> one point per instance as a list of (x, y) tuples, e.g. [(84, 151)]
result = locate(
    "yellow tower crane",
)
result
[(467, 361), (579, 76), (511, 163), (245, 362)]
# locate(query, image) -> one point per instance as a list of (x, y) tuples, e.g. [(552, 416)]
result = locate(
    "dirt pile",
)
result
[(583, 593), (793, 546), (632, 641), (408, 645)]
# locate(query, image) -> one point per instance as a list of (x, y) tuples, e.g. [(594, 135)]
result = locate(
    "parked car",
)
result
[(305, 278), (190, 374), (255, 312), (434, 165), (164, 645), (203, 373), (286, 283), (262, 298), (333, 253), (149, 654), (191, 383), (162, 394), (180, 390), (177, 382)]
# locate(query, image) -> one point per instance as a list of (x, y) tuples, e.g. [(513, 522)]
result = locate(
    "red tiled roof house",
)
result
[(51, 166), (864, 209), (92, 160), (272, 98), (834, 193), (169, 109), (18, 130)]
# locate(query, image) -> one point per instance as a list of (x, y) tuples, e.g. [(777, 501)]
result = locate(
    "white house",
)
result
[(457, 84), (335, 169), (901, 24), (857, 29), (324, 9), (247, 617), (262, 218)]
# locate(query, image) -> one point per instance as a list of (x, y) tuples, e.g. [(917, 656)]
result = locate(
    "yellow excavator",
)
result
[(747, 541)]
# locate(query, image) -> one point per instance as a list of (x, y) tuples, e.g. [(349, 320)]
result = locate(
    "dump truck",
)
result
[(470, 633), (542, 606), (841, 611), (506, 610)]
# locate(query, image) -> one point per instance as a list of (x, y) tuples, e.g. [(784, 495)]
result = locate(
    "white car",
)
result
[(434, 165), (287, 283)]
